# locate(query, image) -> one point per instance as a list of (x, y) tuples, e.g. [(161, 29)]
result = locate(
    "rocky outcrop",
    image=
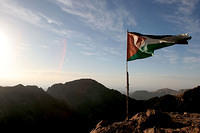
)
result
[(153, 121)]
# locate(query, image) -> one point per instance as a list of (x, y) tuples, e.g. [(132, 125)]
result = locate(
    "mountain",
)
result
[(186, 102), (31, 108), (167, 113), (78, 105), (145, 95), (142, 95), (94, 100), (190, 100)]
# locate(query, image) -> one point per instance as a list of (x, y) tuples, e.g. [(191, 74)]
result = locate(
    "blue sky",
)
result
[(51, 41)]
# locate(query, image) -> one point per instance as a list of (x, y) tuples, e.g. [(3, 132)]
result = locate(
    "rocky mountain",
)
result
[(186, 102), (78, 105), (31, 108), (145, 95), (94, 100), (164, 114), (153, 121)]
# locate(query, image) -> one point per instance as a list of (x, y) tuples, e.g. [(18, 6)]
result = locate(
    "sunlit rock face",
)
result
[(153, 121)]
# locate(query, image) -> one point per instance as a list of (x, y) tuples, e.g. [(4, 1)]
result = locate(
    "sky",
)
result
[(43, 42)]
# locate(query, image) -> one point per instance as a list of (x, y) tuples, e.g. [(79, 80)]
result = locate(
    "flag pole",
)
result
[(127, 83)]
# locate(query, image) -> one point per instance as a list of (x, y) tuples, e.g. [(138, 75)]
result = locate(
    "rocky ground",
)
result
[(153, 121)]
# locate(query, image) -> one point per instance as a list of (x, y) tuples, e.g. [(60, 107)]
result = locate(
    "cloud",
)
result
[(88, 53), (37, 18), (115, 51), (173, 58), (187, 23), (166, 1), (168, 55), (86, 46), (50, 20), (182, 6), (96, 14), (191, 59), (194, 49), (184, 14), (90, 49), (44, 46), (15, 10)]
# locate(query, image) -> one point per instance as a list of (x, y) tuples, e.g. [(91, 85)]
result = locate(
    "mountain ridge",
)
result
[(145, 95), (29, 107), (82, 103), (93, 100)]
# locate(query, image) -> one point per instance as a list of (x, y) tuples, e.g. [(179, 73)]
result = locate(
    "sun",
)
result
[(6, 52)]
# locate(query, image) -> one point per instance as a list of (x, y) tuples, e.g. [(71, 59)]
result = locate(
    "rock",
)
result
[(152, 130), (152, 118), (103, 123), (153, 121)]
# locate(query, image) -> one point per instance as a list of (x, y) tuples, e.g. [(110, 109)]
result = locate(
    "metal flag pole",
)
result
[(127, 83)]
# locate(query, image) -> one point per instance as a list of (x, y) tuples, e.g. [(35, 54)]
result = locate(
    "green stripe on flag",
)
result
[(148, 50), (139, 55)]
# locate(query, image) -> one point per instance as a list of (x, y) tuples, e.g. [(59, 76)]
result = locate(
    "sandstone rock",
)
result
[(153, 121)]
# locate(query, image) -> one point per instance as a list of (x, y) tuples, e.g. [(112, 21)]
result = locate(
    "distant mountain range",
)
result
[(185, 102), (145, 95), (78, 105)]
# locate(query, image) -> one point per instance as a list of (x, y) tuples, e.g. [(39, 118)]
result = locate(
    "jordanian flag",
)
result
[(141, 46)]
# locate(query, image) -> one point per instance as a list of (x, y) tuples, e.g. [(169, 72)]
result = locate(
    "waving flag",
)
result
[(141, 46)]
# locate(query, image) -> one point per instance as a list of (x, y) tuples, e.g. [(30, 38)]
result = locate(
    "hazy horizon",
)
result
[(122, 90), (56, 41)]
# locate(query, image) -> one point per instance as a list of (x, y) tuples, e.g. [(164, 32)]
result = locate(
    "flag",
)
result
[(141, 46)]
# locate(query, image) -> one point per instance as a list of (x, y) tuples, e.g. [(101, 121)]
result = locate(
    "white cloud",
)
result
[(185, 18), (173, 58), (187, 23), (44, 46), (87, 49), (15, 10), (96, 15), (191, 59), (194, 49), (32, 17), (50, 20), (184, 14), (187, 6), (66, 2), (115, 51), (88, 53), (86, 46), (182, 6), (166, 1), (168, 55)]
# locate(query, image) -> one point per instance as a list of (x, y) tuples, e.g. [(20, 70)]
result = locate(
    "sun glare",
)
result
[(5, 52)]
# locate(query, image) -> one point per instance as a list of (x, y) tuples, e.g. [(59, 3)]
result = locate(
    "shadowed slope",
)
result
[(29, 107), (93, 100)]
